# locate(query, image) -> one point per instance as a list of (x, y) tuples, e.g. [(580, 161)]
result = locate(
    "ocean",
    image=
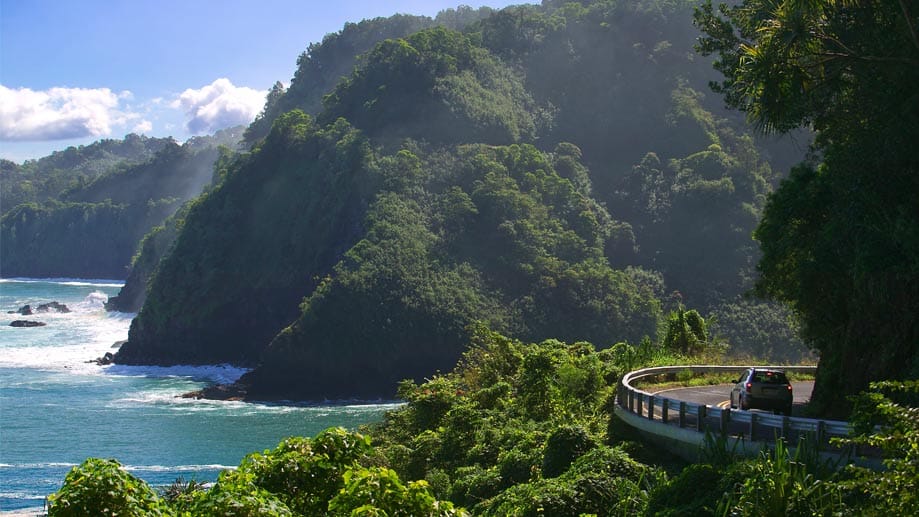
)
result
[(56, 409)]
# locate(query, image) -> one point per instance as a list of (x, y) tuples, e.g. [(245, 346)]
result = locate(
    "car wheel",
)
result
[(732, 401), (788, 410), (743, 403)]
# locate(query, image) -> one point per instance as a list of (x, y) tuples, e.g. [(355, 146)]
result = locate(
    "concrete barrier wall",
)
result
[(681, 427)]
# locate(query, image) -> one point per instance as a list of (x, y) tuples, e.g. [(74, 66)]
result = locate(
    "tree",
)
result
[(686, 332), (840, 237)]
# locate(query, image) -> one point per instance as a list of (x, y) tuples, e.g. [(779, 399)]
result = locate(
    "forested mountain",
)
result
[(323, 64), (469, 192), (552, 171), (92, 228), (39, 180)]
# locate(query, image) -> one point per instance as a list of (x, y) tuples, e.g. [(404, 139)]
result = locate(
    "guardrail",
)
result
[(685, 423)]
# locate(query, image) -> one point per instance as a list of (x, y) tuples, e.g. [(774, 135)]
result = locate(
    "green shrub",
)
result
[(474, 484), (103, 487), (306, 473), (571, 497), (378, 491), (235, 494), (695, 492), (565, 444), (686, 332), (779, 484), (611, 462), (885, 417), (518, 465), (604, 481), (181, 495)]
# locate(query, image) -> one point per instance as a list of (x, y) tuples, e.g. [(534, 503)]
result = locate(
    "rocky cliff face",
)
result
[(251, 250)]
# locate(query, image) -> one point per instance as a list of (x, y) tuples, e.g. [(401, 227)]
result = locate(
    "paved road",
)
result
[(719, 395)]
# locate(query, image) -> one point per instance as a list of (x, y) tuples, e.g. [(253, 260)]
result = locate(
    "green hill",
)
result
[(552, 171), (92, 228)]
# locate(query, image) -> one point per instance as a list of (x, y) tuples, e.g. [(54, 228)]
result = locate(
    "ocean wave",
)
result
[(22, 496), (100, 282), (221, 373), (49, 465), (131, 468), (93, 301), (172, 400), (175, 468), (68, 340)]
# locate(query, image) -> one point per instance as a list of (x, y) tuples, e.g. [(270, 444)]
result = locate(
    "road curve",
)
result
[(719, 394)]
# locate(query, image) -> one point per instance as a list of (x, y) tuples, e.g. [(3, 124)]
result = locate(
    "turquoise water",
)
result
[(56, 410)]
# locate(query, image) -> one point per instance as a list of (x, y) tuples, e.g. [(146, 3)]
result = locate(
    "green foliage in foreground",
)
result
[(302, 476), (103, 487), (525, 429), (784, 482), (518, 429)]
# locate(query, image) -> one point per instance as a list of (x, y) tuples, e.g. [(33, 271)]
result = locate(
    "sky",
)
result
[(73, 72)]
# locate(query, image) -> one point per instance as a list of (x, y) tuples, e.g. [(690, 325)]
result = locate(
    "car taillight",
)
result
[(789, 387), (749, 386)]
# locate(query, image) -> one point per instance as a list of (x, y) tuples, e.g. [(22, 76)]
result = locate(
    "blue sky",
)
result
[(72, 72)]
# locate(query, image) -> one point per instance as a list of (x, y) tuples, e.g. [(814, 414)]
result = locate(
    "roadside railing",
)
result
[(671, 418)]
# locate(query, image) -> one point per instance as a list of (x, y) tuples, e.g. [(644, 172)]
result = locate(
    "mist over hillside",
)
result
[(82, 212), (552, 171)]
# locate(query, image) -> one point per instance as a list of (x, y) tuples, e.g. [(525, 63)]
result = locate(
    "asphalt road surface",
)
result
[(720, 395)]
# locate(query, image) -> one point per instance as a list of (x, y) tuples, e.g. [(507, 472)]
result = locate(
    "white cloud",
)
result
[(144, 126), (219, 105), (60, 113)]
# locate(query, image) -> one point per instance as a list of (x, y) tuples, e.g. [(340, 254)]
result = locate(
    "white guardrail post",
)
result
[(750, 430)]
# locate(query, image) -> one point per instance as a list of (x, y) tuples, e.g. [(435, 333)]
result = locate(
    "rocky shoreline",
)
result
[(42, 308), (227, 392), (27, 310)]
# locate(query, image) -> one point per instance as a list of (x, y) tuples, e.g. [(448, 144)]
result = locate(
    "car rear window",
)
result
[(767, 377)]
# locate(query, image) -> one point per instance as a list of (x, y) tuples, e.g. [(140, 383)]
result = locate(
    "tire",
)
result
[(732, 401), (743, 403)]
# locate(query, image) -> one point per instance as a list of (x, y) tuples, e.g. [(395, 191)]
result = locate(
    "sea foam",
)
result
[(220, 374)]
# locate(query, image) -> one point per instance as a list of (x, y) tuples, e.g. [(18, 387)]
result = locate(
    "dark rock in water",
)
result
[(27, 323), (52, 306), (218, 392), (106, 359), (27, 310), (117, 344)]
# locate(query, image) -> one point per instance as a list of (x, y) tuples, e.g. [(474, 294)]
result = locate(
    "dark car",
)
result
[(762, 388)]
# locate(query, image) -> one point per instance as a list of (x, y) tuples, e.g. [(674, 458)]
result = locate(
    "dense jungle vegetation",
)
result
[(430, 195), (840, 237), (553, 170), (82, 212), (465, 172), (526, 430)]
